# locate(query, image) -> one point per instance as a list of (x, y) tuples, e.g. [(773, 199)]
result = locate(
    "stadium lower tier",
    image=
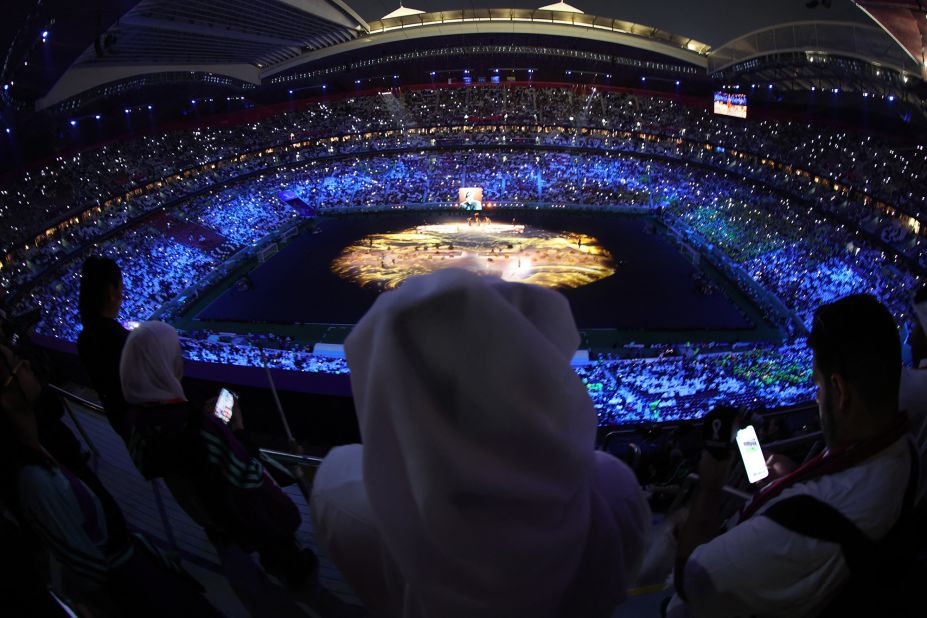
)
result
[(704, 297)]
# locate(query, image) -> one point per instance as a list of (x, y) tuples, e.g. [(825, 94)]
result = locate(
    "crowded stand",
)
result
[(541, 312), (418, 147), (45, 194), (682, 387), (752, 230)]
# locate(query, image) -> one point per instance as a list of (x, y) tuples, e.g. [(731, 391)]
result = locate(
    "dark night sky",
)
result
[(712, 21)]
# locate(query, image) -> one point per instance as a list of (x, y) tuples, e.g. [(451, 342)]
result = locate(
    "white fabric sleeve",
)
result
[(760, 568), (50, 508)]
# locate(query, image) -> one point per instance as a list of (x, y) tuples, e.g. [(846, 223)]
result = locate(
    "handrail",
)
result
[(297, 459), (95, 407)]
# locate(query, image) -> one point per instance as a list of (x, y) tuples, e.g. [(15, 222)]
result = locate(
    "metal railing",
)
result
[(68, 398)]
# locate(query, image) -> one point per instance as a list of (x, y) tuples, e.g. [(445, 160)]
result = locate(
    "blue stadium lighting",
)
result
[(770, 86), (6, 86), (813, 88), (8, 131), (126, 110), (865, 94), (836, 90), (609, 76), (530, 71), (395, 77), (97, 116), (357, 81), (73, 123), (432, 73), (643, 79), (891, 97), (192, 101), (324, 86), (149, 107), (569, 72), (291, 92), (677, 82)]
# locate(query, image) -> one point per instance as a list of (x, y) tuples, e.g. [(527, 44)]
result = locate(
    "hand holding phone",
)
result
[(224, 405)]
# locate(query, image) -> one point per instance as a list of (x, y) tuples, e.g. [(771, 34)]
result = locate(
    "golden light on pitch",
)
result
[(513, 252)]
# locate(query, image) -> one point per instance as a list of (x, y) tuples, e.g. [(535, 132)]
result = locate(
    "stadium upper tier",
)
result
[(863, 170)]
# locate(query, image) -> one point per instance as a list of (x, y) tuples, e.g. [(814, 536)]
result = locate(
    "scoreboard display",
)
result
[(730, 104)]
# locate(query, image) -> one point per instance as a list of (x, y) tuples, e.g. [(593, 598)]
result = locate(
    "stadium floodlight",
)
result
[(149, 108), (97, 116), (73, 123), (677, 82), (891, 97)]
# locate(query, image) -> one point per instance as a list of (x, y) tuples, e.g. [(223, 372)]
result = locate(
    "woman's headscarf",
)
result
[(152, 365)]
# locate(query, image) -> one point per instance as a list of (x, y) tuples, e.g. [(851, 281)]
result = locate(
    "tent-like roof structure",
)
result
[(402, 11), (560, 6)]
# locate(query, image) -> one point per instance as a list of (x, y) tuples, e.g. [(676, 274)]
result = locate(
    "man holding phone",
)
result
[(806, 538)]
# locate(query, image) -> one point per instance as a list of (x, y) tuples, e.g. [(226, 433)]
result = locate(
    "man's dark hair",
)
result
[(97, 274), (857, 338)]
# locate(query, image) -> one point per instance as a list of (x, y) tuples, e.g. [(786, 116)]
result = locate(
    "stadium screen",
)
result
[(470, 198), (728, 104)]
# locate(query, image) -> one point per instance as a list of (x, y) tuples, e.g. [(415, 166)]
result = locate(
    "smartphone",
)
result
[(224, 405), (752, 454)]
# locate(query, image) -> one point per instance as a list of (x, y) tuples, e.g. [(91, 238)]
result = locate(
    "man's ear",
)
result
[(840, 393)]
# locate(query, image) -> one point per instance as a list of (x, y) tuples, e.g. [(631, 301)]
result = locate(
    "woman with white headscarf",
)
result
[(477, 491), (209, 471)]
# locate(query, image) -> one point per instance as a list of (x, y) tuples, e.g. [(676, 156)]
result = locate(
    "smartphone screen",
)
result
[(752, 454), (224, 405)]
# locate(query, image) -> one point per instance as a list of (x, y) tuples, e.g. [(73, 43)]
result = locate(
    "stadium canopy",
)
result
[(906, 22), (252, 41), (567, 23), (869, 43), (235, 38)]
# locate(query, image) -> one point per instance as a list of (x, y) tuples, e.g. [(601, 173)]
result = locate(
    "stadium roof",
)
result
[(905, 21), (251, 40)]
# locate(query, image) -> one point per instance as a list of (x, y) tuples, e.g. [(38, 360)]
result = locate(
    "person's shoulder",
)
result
[(870, 493)]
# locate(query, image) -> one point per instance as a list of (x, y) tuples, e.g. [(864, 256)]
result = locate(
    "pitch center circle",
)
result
[(514, 252)]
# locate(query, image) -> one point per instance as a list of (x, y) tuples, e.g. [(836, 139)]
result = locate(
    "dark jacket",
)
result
[(100, 346)]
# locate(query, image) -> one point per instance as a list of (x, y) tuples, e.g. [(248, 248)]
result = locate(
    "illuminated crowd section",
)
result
[(511, 251), (804, 214)]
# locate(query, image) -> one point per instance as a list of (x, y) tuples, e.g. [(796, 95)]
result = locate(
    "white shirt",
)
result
[(912, 398), (758, 568)]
